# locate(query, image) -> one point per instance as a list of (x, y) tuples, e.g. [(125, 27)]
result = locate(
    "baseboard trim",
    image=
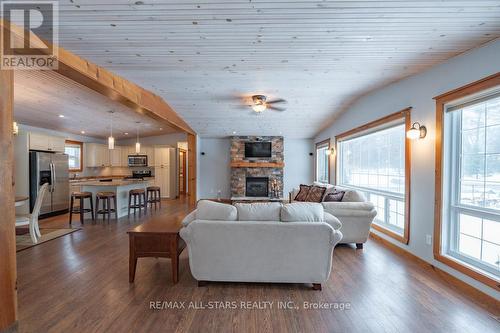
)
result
[(481, 299)]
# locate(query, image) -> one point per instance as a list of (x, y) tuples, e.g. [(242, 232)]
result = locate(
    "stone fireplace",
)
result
[(261, 172), (257, 187)]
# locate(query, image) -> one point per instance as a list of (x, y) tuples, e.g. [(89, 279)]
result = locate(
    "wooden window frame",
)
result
[(403, 114), (441, 101), (81, 154), (317, 145)]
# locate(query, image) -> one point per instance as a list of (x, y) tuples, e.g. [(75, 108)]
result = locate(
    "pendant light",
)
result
[(137, 143), (111, 139), (15, 128)]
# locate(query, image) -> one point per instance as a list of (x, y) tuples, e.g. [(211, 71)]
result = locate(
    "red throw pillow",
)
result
[(303, 192), (315, 194), (335, 196)]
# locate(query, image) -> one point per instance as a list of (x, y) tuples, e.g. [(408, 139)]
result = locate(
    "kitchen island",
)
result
[(120, 186)]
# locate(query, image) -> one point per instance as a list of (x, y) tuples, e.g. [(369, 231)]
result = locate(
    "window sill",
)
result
[(469, 270), (390, 233)]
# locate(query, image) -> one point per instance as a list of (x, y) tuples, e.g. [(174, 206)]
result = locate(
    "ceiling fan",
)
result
[(260, 103)]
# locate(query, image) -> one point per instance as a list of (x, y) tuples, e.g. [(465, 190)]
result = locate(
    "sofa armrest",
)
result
[(333, 221), (189, 218), (359, 209)]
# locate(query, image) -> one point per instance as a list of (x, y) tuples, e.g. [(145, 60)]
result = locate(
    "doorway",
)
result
[(182, 171)]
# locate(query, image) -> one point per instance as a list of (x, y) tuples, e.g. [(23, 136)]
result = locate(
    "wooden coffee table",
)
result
[(156, 238)]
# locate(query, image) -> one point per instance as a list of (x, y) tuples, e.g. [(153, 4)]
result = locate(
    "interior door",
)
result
[(60, 193)]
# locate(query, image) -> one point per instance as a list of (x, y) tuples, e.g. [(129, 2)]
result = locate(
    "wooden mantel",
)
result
[(246, 164)]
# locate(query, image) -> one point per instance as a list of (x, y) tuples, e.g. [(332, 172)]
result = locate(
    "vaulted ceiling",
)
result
[(202, 56)]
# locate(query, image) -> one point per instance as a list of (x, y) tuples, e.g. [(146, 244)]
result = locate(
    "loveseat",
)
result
[(260, 242), (353, 211)]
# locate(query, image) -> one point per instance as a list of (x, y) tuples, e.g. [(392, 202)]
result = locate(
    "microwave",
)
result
[(137, 160)]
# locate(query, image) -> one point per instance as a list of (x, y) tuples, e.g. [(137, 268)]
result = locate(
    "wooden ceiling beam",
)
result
[(106, 83)]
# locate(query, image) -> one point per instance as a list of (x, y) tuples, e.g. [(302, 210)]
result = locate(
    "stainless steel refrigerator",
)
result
[(49, 168)]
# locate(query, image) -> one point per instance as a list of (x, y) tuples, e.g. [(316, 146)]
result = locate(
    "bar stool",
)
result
[(80, 210), (138, 195), (106, 204), (154, 195)]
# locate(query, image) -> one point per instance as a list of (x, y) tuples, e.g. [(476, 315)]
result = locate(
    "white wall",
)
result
[(299, 166), (418, 92), (214, 173)]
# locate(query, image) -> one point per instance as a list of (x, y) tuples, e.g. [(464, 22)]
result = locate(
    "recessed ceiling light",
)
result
[(83, 132), (161, 129), (234, 132), (126, 133), (61, 116)]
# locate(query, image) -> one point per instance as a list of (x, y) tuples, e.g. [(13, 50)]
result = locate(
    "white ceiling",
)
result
[(319, 55), (40, 97)]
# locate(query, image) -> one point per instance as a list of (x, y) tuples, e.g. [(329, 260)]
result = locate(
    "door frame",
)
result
[(182, 162)]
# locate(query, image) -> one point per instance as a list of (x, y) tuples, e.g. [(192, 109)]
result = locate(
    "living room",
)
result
[(341, 168)]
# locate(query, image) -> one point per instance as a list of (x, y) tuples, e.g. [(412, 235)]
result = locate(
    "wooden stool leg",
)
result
[(159, 196), (145, 203), (92, 208), (82, 212), (71, 209), (129, 203), (109, 207), (97, 208), (116, 208), (135, 203)]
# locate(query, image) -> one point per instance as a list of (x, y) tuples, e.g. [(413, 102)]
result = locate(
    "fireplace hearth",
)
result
[(257, 187)]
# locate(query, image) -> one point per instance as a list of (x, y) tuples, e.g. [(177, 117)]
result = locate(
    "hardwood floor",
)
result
[(79, 283)]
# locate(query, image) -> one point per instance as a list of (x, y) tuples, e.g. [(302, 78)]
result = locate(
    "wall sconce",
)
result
[(330, 151), (15, 128), (416, 131)]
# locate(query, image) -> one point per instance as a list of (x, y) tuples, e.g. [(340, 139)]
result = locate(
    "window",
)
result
[(373, 160), (472, 180), (74, 150), (323, 161)]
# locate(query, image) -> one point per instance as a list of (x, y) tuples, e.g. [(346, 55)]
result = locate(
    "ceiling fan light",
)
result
[(259, 107)]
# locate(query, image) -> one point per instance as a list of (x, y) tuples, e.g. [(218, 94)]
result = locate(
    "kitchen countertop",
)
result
[(115, 182), (80, 181)]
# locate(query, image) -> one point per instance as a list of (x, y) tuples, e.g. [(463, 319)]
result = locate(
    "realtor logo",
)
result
[(30, 29)]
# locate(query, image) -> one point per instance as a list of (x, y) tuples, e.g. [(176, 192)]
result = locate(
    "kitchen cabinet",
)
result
[(161, 156), (43, 142), (97, 155), (149, 151), (162, 180), (115, 157), (162, 170), (125, 151)]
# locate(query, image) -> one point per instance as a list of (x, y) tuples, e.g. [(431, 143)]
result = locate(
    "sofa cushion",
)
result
[(302, 212), (315, 194), (334, 196), (303, 192), (259, 211), (215, 211)]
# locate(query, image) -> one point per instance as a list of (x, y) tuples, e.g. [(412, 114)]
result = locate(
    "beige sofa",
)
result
[(354, 212), (266, 242)]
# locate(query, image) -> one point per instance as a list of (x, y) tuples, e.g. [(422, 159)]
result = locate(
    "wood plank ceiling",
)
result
[(40, 97), (202, 56)]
